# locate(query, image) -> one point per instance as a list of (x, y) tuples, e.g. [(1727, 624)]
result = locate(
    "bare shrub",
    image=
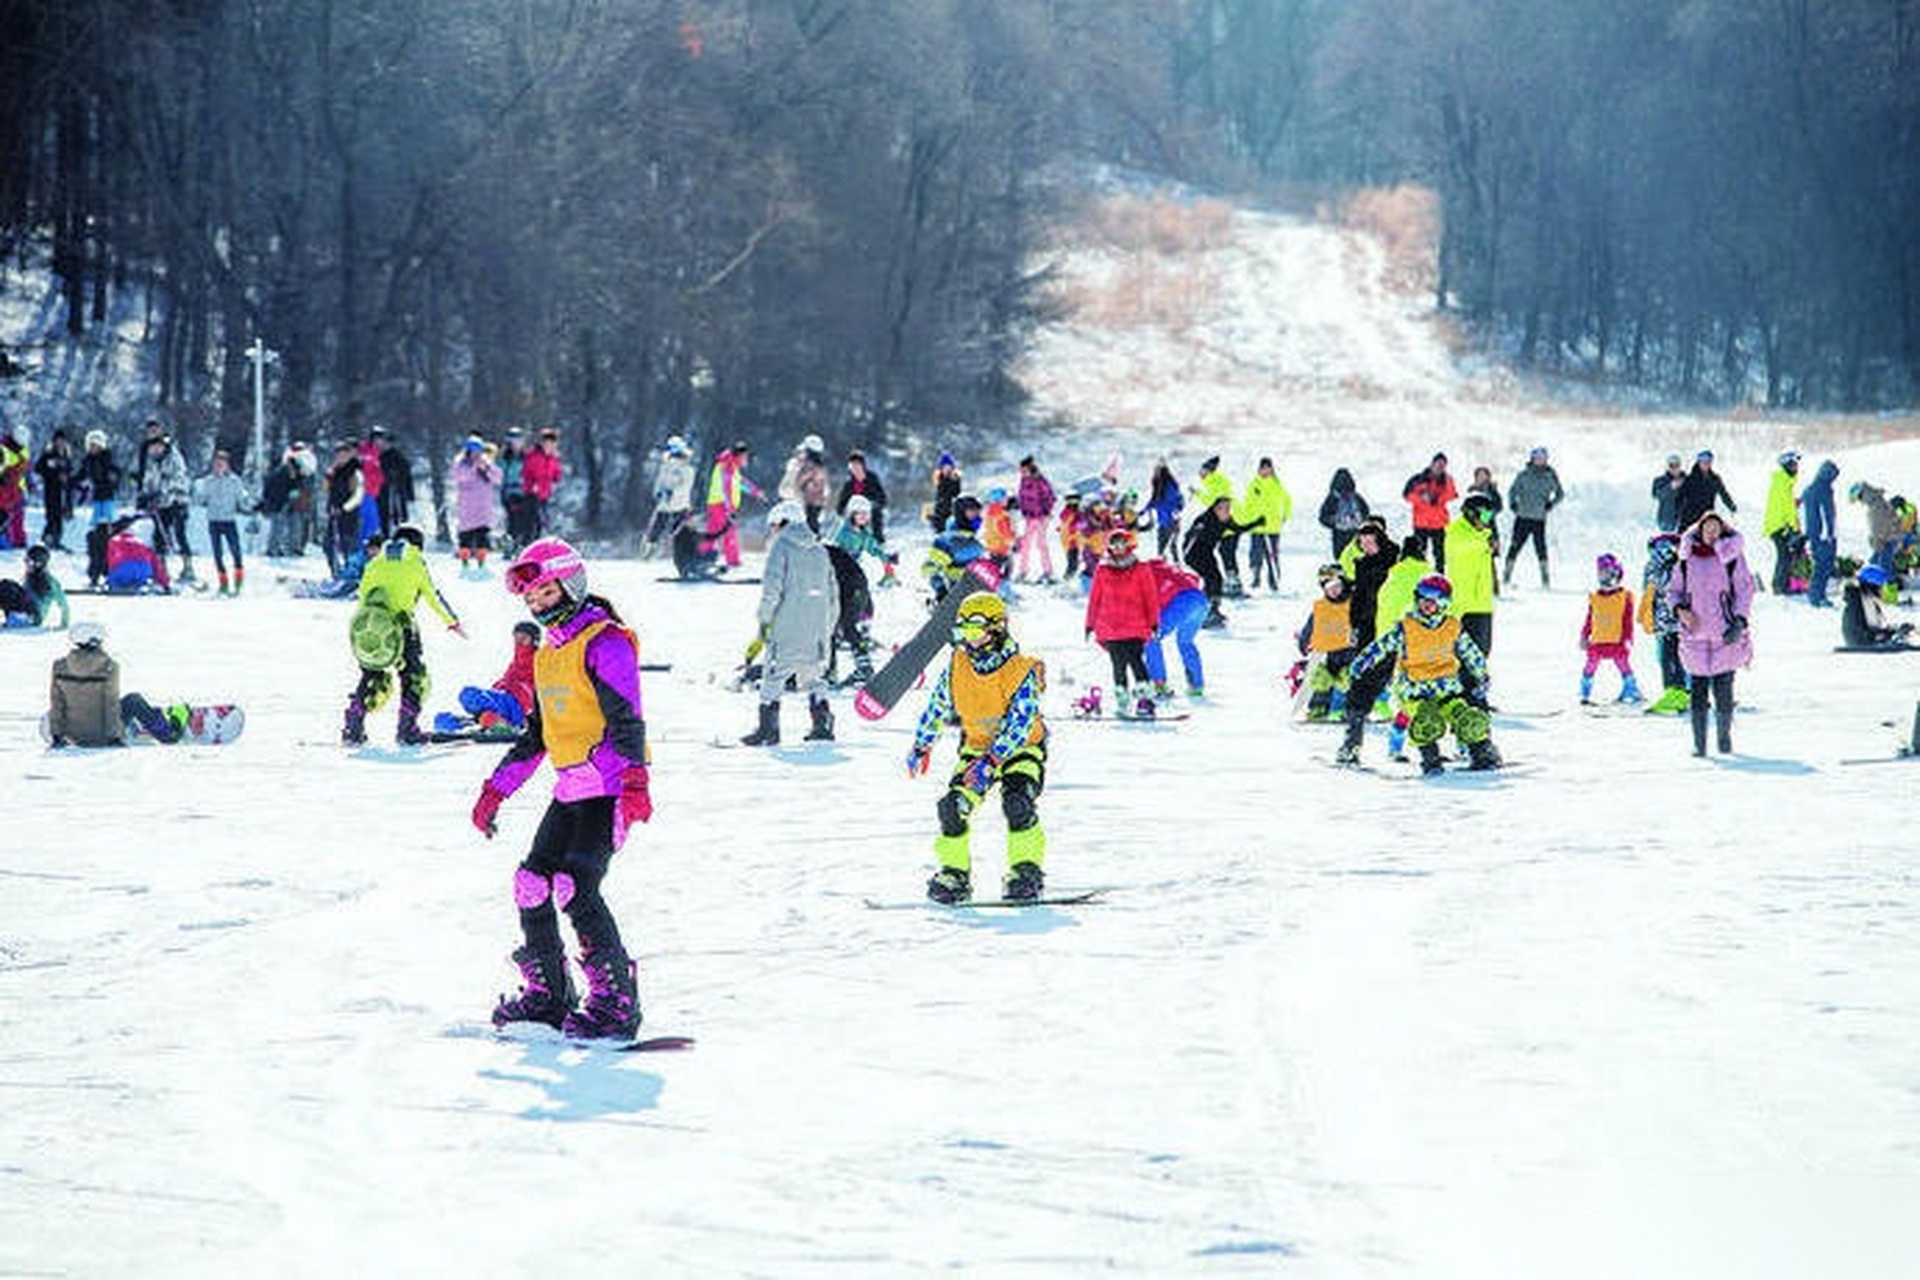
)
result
[(1406, 221)]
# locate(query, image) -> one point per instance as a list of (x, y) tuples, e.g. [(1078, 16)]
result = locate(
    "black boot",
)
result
[(1430, 762), (1349, 752), (612, 1010), (768, 734), (409, 734), (1483, 755), (546, 993), (1697, 708), (1723, 726), (822, 714)]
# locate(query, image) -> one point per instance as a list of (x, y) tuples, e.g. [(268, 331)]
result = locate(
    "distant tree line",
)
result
[(633, 217), (1716, 196)]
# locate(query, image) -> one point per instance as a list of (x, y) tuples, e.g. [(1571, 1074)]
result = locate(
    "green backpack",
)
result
[(375, 632)]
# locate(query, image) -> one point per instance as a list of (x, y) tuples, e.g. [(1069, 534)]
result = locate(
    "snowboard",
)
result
[(890, 683), (540, 1033), (1057, 898), (213, 725), (714, 581), (1411, 772), (475, 734), (1108, 717), (1876, 648)]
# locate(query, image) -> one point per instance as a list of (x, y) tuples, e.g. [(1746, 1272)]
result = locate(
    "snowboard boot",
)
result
[(226, 585), (1349, 752), (1483, 755), (239, 579), (612, 1009), (1586, 691), (1430, 762), (409, 734), (1698, 711), (768, 734), (822, 730), (1397, 737), (1024, 882), (546, 992), (1319, 706), (1087, 705), (950, 885), (1630, 691), (1723, 728), (353, 729)]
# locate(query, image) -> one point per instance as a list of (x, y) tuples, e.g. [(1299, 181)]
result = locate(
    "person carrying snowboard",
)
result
[(588, 722), (385, 636), (1443, 681), (993, 691), (1657, 619), (1325, 641)]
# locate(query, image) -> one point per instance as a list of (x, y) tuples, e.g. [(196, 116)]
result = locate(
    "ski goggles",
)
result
[(974, 626)]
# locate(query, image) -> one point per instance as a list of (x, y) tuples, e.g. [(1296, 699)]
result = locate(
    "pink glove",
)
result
[(636, 803), (486, 809)]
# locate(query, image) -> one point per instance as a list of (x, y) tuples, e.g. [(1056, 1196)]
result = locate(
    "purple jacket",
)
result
[(1716, 585), (476, 491), (613, 665), (1035, 498)]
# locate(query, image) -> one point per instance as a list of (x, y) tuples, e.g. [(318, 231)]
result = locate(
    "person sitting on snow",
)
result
[(1864, 621)]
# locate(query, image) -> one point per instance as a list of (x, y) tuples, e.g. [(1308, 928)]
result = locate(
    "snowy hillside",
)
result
[(1622, 1013)]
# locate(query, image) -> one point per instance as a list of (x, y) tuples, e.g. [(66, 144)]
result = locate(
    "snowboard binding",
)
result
[(1087, 705)]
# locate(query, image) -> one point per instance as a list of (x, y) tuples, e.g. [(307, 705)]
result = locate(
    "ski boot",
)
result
[(822, 730), (1024, 882), (353, 729), (950, 885), (1430, 762), (409, 733), (1483, 755), (546, 993), (1087, 705), (768, 734), (612, 1009), (1349, 752)]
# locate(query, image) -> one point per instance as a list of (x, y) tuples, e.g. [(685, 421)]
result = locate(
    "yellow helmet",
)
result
[(981, 622)]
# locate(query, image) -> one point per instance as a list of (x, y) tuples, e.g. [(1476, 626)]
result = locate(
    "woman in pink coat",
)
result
[(1711, 591), (1123, 612)]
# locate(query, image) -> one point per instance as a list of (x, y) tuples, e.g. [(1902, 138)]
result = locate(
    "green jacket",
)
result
[(1470, 566), (400, 571), (1396, 593), (1266, 505), (1783, 512)]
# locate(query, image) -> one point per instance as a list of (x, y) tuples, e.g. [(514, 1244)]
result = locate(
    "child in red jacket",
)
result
[(502, 707), (1123, 612)]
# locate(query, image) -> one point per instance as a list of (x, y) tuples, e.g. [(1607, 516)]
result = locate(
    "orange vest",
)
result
[(1429, 651), (1332, 625), (981, 700), (1607, 614), (570, 718)]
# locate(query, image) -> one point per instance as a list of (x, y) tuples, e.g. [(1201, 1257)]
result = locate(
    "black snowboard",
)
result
[(890, 683)]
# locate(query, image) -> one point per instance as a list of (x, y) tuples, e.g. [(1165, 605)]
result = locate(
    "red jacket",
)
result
[(124, 547), (1124, 603), (539, 473), (1170, 580), (1429, 499), (517, 679)]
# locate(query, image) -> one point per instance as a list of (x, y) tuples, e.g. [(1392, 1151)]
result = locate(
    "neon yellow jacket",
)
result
[(1266, 504), (1470, 566), (1395, 600), (401, 572), (1782, 511)]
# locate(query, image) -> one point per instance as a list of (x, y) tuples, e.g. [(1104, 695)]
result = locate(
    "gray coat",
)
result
[(799, 599), (1534, 492)]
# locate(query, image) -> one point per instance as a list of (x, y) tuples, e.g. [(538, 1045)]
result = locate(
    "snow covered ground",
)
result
[(1625, 1013)]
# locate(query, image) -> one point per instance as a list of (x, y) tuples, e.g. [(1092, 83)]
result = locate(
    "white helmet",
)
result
[(814, 444), (676, 445), (786, 512), (96, 437), (88, 634), (859, 505)]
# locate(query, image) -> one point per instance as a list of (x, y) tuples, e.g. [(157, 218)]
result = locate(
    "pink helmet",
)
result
[(548, 560)]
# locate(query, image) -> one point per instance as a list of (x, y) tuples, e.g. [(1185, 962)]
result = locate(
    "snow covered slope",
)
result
[(1626, 1013)]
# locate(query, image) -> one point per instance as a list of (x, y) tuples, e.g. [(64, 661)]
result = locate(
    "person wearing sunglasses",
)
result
[(992, 691), (587, 721)]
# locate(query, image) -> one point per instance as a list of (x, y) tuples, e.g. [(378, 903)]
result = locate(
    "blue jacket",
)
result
[(1816, 505)]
